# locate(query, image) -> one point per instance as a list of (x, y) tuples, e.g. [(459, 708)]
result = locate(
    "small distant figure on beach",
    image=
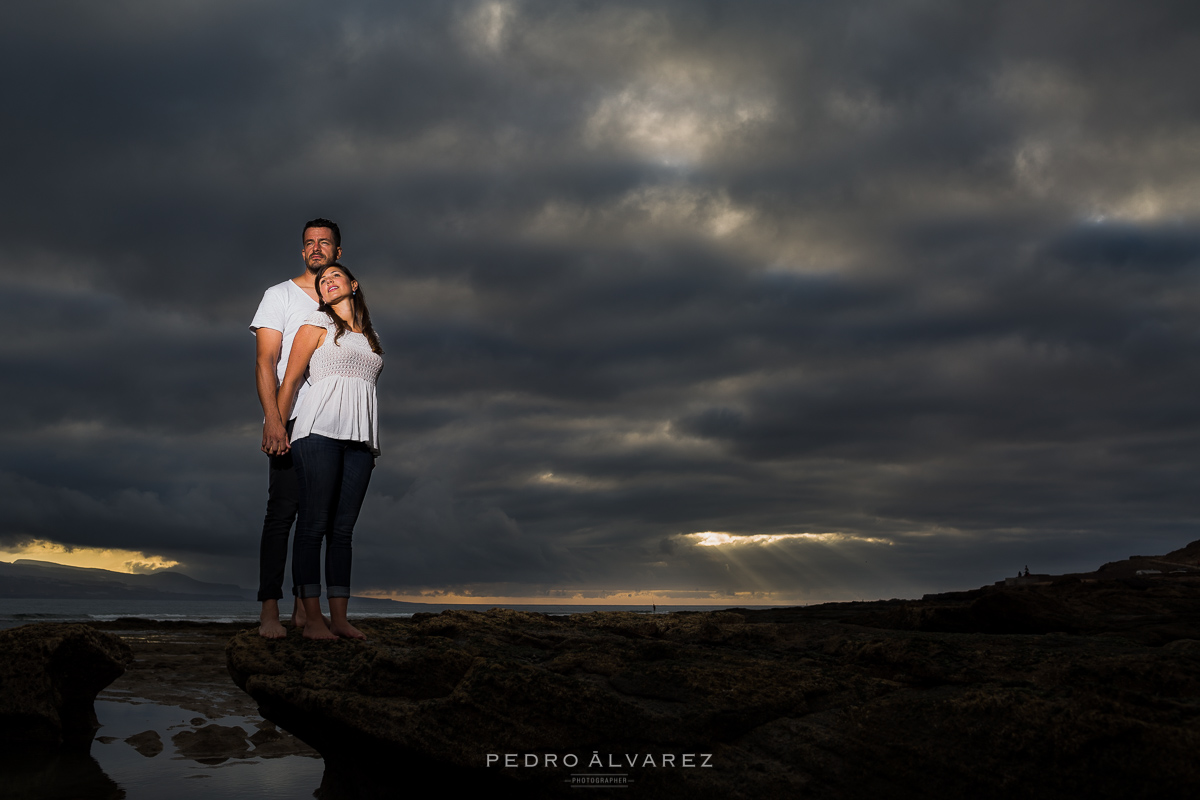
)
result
[(334, 441), (283, 309)]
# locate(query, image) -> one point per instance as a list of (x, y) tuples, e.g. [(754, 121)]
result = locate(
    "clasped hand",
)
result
[(275, 439)]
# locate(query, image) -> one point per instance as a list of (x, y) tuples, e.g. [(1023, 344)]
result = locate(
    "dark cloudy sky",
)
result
[(911, 284)]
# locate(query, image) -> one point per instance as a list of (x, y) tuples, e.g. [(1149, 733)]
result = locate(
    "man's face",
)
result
[(319, 249)]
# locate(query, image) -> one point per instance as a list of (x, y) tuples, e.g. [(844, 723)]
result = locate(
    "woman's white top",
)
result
[(340, 402)]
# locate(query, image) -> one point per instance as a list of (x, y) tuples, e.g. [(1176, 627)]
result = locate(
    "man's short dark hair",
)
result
[(324, 223)]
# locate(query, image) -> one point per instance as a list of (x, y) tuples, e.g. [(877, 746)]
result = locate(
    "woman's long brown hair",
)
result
[(362, 317)]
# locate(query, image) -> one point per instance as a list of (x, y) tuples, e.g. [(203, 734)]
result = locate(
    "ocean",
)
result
[(21, 611)]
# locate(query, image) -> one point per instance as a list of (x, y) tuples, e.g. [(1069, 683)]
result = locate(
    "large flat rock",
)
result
[(808, 702)]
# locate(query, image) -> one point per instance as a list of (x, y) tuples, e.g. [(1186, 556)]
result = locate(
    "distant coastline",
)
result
[(40, 591), (26, 578)]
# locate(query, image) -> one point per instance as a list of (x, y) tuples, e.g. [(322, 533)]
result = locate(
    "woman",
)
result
[(334, 442)]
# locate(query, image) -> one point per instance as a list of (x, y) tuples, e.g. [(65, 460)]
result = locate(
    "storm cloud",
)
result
[(901, 296)]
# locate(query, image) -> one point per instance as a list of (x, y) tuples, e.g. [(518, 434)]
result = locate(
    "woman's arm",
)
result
[(307, 340)]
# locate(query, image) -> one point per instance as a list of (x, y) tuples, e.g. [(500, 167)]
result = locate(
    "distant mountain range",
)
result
[(25, 578)]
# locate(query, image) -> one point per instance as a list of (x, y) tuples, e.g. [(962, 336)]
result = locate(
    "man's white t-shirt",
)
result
[(284, 308)]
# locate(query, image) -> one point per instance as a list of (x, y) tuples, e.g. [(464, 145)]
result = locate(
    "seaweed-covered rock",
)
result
[(50, 674), (762, 704)]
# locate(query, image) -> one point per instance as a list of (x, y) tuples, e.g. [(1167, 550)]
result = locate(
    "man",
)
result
[(283, 309)]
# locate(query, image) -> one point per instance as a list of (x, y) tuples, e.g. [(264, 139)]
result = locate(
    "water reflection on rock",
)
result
[(41, 774), (148, 743), (163, 750), (212, 744)]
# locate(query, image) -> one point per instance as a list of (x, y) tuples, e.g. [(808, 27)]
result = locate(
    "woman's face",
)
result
[(334, 285)]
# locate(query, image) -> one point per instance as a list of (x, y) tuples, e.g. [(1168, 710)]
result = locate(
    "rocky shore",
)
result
[(1047, 687), (1056, 690), (52, 674)]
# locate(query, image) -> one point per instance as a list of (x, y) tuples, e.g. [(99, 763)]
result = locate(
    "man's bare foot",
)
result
[(269, 626), (319, 631), (271, 629), (346, 630)]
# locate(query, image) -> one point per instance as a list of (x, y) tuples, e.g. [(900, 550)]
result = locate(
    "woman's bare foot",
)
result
[(300, 616), (315, 624), (346, 630), (269, 626), (337, 613), (319, 631)]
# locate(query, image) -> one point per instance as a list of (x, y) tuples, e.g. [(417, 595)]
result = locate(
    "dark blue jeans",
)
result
[(283, 499), (333, 475)]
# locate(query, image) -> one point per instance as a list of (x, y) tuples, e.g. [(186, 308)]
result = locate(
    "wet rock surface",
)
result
[(212, 743), (183, 664), (167, 664), (178, 664), (50, 674), (1063, 690), (148, 743)]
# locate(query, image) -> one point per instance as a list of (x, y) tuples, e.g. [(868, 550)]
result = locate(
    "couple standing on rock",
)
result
[(318, 359)]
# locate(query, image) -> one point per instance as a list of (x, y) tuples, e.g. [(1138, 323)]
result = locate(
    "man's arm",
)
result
[(269, 346)]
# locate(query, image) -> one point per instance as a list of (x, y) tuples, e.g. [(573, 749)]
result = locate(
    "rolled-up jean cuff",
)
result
[(307, 590), (337, 591)]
